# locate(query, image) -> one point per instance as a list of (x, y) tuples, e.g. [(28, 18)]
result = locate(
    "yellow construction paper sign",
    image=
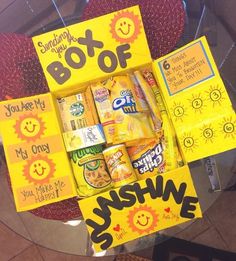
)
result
[(197, 101), (93, 49), (141, 208), (37, 161)]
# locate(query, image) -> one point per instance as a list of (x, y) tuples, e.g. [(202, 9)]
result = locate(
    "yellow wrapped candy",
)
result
[(171, 152)]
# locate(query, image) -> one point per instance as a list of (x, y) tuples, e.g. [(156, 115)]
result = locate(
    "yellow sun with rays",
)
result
[(29, 127), (189, 142), (39, 169), (208, 133), (197, 103), (142, 219), (228, 127), (178, 111), (216, 95), (125, 27)]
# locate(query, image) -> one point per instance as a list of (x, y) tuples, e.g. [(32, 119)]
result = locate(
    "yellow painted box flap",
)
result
[(141, 208), (36, 158), (197, 101)]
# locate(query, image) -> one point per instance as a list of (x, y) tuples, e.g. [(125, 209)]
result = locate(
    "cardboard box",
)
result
[(79, 55), (121, 47), (36, 157)]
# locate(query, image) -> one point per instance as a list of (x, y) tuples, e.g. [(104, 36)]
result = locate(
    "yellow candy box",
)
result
[(81, 57)]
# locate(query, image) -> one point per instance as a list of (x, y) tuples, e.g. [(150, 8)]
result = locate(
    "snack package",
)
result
[(139, 95), (119, 165), (150, 98), (149, 78), (78, 111), (85, 137), (172, 154), (104, 109), (169, 142), (147, 158), (90, 171), (128, 121)]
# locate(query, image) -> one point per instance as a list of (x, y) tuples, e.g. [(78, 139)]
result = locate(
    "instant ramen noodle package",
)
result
[(90, 171)]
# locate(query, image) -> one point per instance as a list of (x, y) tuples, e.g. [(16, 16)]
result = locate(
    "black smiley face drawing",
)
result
[(39, 169), (29, 126), (124, 28), (143, 220)]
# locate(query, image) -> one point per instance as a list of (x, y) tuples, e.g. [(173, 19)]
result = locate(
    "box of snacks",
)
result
[(120, 178), (115, 111)]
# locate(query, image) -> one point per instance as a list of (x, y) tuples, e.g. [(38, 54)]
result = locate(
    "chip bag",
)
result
[(147, 158), (90, 171)]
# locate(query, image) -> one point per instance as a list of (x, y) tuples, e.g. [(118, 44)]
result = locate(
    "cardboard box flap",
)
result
[(141, 208), (35, 152), (93, 49), (197, 101)]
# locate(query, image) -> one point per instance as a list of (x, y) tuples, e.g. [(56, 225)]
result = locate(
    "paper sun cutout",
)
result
[(29, 127), (39, 170), (142, 219), (125, 27)]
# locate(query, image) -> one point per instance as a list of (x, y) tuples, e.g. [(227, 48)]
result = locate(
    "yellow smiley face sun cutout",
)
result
[(142, 219), (29, 127), (39, 170), (125, 27)]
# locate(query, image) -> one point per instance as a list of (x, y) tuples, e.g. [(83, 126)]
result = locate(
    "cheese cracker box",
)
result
[(37, 161)]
